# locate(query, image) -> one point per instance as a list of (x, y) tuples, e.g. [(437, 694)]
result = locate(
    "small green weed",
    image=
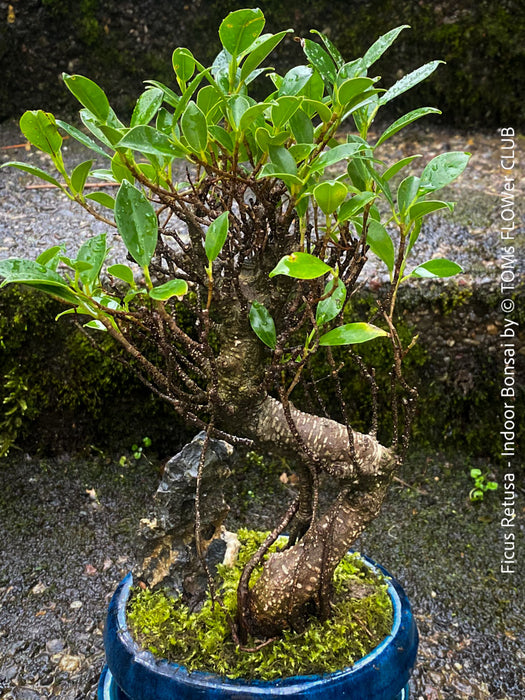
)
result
[(481, 485)]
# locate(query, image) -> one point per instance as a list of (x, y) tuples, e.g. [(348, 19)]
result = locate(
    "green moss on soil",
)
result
[(362, 617)]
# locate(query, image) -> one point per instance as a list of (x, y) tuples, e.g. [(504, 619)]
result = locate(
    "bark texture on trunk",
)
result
[(294, 583)]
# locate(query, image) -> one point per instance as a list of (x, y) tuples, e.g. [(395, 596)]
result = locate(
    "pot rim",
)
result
[(203, 680)]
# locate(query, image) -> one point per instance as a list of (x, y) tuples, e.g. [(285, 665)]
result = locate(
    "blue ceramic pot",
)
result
[(135, 674)]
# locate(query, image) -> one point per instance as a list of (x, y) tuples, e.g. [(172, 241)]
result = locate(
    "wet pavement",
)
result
[(68, 531)]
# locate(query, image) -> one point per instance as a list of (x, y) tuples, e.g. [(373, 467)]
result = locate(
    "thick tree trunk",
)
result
[(294, 582)]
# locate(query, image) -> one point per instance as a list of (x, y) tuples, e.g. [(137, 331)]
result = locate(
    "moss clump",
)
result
[(362, 617)]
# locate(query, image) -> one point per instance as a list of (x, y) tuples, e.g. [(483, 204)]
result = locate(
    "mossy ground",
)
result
[(362, 617)]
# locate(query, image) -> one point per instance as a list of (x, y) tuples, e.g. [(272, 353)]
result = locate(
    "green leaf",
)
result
[(380, 243), (173, 288), (81, 138), (93, 125), (332, 50), (238, 105), (263, 324), (89, 94), (335, 155), (40, 129), (320, 60), (51, 257), (396, 167), (262, 50), (355, 205), (219, 134), (216, 236), (302, 127), (194, 127), (284, 108), (351, 333), (239, 30), (120, 170), (407, 193), (283, 160), (330, 194), (95, 324), (147, 139), (17, 270), (313, 107), (80, 175), (122, 272), (474, 473), (301, 266), (170, 97), (440, 267), (147, 106), (94, 252), (420, 209), (443, 169), (409, 81), (183, 63), (405, 121), (102, 198), (295, 80), (136, 222), (329, 308), (352, 88), (379, 46), (33, 170), (245, 115), (210, 101)]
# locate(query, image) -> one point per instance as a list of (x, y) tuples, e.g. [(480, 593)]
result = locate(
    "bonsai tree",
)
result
[(237, 277)]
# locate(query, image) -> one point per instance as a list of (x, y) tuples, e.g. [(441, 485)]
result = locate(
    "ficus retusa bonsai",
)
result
[(238, 276)]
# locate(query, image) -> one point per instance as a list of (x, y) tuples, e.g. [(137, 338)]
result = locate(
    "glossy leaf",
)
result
[(420, 209), (285, 107), (263, 324), (283, 160), (91, 123), (329, 308), (380, 243), (301, 266), (216, 236), (183, 63), (405, 121), (396, 167), (122, 272), (379, 46), (354, 205), (329, 195), (40, 129), (81, 137), (51, 257), (239, 30), (89, 94), (103, 198), (238, 105), (151, 141), (170, 97), (409, 81), (93, 252), (335, 155), (262, 50), (147, 106), (443, 169), (136, 222), (173, 288), (18, 270), (302, 127), (194, 128), (352, 88), (320, 60), (247, 118), (295, 80), (80, 175), (440, 267), (120, 170), (351, 333), (407, 193), (33, 170), (332, 50)]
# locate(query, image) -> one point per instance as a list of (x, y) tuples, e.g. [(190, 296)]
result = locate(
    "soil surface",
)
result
[(68, 530)]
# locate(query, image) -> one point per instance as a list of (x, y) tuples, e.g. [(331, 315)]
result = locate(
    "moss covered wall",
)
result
[(119, 44), (74, 395)]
